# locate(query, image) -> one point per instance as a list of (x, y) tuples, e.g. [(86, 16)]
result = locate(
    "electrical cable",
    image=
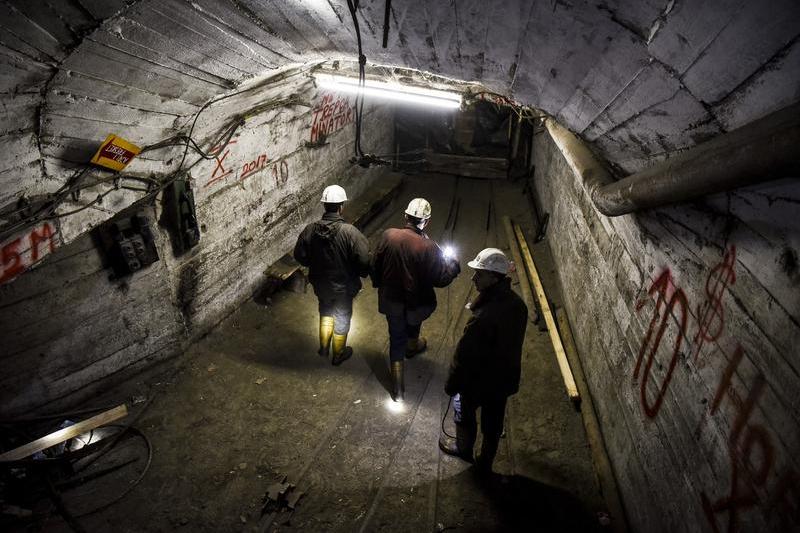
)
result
[(115, 438), (362, 61), (446, 412), (135, 481), (45, 210)]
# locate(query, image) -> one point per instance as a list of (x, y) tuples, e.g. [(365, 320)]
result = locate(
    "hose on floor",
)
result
[(444, 431)]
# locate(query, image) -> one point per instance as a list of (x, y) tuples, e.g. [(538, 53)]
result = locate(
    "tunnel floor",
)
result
[(252, 404)]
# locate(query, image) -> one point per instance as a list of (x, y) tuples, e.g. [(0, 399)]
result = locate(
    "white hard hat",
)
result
[(333, 194), (419, 208), (491, 259)]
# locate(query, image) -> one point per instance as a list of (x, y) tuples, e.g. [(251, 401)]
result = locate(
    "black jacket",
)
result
[(336, 253), (406, 266), (488, 357)]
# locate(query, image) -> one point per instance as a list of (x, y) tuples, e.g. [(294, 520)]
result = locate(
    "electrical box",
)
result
[(131, 246), (180, 216)]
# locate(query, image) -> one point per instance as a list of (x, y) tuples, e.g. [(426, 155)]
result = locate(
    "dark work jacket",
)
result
[(406, 266), (336, 253), (488, 357)]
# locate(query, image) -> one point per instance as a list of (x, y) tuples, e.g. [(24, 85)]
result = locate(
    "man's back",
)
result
[(336, 253)]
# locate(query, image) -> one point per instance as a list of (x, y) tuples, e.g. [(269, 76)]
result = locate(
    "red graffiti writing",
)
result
[(662, 287), (280, 173), (751, 451), (259, 163), (329, 116), (751, 446), (20, 253), (220, 171), (710, 314), (710, 322)]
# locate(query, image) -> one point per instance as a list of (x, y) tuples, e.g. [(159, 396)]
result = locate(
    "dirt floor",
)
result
[(252, 405)]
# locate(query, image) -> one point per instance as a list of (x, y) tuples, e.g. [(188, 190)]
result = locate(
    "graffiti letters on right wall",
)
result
[(679, 326)]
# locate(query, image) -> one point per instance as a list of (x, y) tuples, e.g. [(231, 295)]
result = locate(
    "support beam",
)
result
[(605, 473), (524, 286), (561, 357)]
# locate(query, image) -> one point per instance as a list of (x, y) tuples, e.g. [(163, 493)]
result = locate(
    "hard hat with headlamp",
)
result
[(419, 208), (333, 194), (492, 259)]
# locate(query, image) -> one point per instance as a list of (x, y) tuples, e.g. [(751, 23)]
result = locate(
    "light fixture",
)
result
[(391, 91)]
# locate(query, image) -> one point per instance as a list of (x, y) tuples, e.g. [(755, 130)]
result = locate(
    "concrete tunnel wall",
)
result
[(721, 276), (69, 331), (639, 80)]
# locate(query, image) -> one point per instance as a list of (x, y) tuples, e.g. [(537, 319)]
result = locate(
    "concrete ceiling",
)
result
[(637, 78)]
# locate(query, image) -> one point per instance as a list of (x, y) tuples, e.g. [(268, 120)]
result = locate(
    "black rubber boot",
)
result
[(462, 446), (398, 385), (483, 464), (416, 346)]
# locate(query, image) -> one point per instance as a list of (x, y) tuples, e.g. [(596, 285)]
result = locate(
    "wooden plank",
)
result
[(65, 434), (561, 357), (524, 285), (282, 268), (469, 166), (602, 464)]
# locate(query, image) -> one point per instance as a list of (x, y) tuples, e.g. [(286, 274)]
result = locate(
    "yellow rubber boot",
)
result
[(325, 333), (341, 352)]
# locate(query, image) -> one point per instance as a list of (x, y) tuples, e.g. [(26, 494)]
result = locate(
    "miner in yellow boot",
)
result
[(341, 352), (337, 257)]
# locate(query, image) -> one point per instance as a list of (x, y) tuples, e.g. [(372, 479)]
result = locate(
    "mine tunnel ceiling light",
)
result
[(391, 91)]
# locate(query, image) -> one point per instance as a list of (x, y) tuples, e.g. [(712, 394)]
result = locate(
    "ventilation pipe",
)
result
[(763, 150)]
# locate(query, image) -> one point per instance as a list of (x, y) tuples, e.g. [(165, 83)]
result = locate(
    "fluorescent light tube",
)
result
[(391, 91)]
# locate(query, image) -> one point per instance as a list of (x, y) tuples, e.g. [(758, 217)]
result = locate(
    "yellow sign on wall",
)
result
[(115, 153)]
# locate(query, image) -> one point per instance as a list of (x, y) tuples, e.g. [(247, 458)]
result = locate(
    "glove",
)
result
[(454, 267)]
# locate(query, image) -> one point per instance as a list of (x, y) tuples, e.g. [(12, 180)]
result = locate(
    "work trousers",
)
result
[(493, 412), (399, 333), (340, 307)]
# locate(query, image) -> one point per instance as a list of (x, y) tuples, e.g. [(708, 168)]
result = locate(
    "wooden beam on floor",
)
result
[(524, 285), (62, 435), (544, 305), (605, 474)]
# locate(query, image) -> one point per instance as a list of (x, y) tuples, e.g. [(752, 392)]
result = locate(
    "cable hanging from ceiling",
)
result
[(362, 61)]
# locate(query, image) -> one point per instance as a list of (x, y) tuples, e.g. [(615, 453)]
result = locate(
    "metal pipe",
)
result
[(760, 151)]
